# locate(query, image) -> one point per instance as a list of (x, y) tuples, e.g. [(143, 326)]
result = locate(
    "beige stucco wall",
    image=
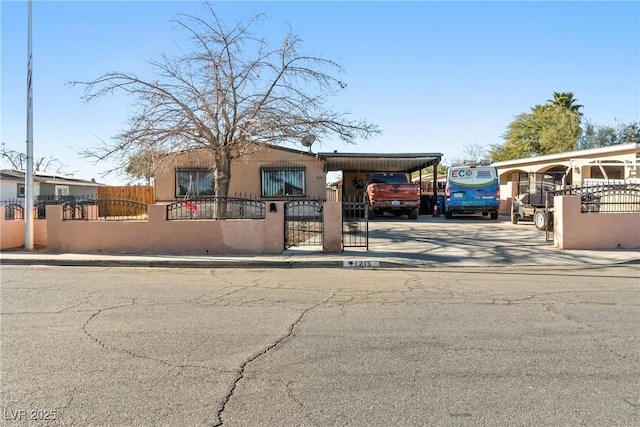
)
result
[(159, 236), (245, 171), (507, 194), (576, 230), (12, 232), (40, 234), (332, 238)]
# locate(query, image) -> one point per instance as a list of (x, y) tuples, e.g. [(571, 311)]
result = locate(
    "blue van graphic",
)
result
[(472, 190)]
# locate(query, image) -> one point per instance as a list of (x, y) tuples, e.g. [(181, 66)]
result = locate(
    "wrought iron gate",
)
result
[(355, 223), (303, 223)]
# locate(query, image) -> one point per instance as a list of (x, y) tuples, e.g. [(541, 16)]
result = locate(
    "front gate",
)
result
[(355, 223), (303, 223)]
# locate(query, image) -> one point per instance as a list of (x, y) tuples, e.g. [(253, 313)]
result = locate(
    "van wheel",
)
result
[(448, 214), (494, 215)]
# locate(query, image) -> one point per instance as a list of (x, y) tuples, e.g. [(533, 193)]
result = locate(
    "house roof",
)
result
[(572, 155), (48, 178), (379, 162)]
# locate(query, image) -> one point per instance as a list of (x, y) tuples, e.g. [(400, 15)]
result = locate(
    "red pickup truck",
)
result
[(393, 193)]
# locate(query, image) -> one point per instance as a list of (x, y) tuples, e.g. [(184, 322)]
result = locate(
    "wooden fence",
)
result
[(138, 193)]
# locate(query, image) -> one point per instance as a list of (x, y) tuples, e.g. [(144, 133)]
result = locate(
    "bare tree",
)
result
[(142, 165), (472, 151), (231, 92), (18, 161)]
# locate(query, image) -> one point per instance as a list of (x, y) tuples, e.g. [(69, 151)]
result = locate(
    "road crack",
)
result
[(259, 354), (132, 353)]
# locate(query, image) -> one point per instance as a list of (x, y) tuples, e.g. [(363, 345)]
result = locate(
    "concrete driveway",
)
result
[(473, 241)]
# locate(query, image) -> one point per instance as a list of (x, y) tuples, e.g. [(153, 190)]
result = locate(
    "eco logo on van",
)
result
[(472, 177)]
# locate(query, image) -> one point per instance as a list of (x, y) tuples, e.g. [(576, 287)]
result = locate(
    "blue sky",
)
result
[(435, 76)]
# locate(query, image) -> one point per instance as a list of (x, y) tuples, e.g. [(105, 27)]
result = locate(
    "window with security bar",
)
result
[(194, 183), (283, 182)]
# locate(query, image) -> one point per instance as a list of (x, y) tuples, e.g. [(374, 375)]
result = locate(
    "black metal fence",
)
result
[(104, 210), (79, 208), (605, 198), (355, 223), (216, 208), (13, 209), (303, 223)]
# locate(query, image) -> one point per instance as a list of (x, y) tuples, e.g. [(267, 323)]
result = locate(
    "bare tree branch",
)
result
[(18, 161), (228, 93)]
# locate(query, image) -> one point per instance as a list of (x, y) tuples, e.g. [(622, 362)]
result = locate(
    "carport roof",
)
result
[(379, 162)]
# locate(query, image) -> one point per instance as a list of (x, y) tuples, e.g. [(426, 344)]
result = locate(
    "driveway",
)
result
[(472, 241)]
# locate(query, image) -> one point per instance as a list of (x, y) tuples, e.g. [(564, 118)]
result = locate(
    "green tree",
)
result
[(428, 171), (630, 132), (559, 131), (227, 92), (547, 129), (595, 136), (565, 100)]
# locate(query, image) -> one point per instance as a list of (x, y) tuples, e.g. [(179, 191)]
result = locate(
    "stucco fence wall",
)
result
[(157, 235), (508, 193), (576, 230), (12, 232)]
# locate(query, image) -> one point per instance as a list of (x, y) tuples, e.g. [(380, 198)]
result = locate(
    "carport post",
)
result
[(435, 182)]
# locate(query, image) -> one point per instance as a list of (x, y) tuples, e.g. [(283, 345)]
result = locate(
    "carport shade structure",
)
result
[(384, 162)]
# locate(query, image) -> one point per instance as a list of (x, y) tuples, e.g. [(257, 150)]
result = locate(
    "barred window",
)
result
[(283, 182), (194, 182)]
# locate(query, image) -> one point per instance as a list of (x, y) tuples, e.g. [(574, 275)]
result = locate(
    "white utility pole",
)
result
[(28, 176)]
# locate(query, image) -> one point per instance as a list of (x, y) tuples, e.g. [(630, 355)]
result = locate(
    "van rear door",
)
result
[(471, 185)]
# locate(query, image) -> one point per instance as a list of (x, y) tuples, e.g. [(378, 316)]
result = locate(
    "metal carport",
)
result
[(383, 162)]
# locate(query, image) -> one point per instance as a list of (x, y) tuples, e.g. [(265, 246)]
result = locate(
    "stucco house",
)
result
[(280, 173), (616, 162), (267, 173)]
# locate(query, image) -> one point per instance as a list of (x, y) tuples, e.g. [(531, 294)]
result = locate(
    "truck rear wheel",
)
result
[(370, 213), (413, 214)]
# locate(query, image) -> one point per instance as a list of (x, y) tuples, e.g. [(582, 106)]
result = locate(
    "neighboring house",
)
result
[(616, 162), (268, 173), (45, 184), (12, 185)]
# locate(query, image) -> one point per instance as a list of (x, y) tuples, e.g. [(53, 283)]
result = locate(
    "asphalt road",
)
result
[(320, 347)]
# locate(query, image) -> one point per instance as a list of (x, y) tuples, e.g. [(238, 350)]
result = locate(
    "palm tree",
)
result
[(565, 100)]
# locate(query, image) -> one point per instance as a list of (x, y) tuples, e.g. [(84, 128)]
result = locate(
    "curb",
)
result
[(282, 264)]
